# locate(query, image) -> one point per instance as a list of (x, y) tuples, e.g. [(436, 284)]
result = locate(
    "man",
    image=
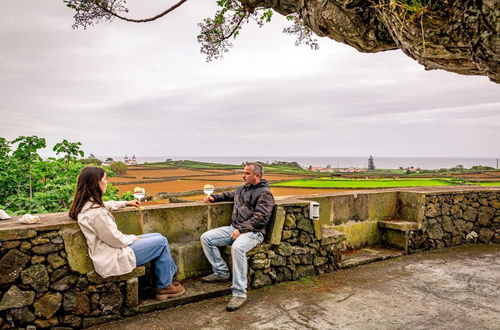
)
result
[(253, 205)]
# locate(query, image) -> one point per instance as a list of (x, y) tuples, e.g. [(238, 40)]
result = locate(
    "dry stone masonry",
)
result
[(39, 289), (299, 254), (458, 218)]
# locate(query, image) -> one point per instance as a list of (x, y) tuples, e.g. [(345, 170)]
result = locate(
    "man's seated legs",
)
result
[(244, 243), (211, 241)]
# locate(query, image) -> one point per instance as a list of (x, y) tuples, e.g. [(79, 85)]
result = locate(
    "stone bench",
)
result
[(395, 232)]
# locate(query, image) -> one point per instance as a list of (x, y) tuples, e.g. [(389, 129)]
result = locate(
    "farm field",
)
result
[(153, 188), (364, 183), (486, 184), (269, 177), (296, 181), (140, 173)]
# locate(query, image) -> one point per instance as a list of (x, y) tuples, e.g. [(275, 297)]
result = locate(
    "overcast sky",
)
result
[(123, 88)]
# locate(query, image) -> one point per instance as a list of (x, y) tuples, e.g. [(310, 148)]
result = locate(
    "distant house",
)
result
[(321, 169), (352, 170), (107, 162), (130, 161)]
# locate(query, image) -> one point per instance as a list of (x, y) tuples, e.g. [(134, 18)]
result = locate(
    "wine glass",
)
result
[(139, 193), (208, 189)]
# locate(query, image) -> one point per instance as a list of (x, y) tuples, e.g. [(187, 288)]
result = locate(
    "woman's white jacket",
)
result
[(108, 247)]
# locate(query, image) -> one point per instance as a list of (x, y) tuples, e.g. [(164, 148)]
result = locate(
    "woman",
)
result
[(112, 252)]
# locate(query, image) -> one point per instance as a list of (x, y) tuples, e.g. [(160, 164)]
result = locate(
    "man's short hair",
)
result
[(257, 168)]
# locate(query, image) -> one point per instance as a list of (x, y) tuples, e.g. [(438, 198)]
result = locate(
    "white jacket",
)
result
[(108, 247)]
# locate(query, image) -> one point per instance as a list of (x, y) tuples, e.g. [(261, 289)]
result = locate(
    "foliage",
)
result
[(32, 185), (127, 196), (215, 32), (303, 34), (286, 164), (118, 168), (70, 151), (26, 154), (91, 161)]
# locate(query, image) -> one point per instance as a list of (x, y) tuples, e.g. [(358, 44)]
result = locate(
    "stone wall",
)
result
[(458, 218), (38, 287), (301, 249), (47, 278)]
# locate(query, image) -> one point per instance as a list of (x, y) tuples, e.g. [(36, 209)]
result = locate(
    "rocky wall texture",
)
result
[(457, 36), (300, 253), (458, 218), (38, 289)]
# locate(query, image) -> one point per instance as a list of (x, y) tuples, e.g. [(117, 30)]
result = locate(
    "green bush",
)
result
[(118, 168), (32, 185)]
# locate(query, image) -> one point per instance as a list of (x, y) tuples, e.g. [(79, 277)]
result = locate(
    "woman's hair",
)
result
[(87, 189)]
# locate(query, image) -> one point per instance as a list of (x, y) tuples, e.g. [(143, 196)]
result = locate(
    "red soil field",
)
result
[(240, 177), (152, 189), (166, 172)]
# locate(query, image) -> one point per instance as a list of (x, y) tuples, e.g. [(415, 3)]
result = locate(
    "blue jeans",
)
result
[(155, 247), (214, 238)]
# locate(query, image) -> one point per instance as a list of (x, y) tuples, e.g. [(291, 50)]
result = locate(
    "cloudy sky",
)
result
[(145, 89)]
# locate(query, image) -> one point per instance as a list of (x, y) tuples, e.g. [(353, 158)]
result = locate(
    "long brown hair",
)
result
[(87, 189)]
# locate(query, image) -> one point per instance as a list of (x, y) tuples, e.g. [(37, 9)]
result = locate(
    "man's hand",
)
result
[(135, 203), (209, 199), (235, 234)]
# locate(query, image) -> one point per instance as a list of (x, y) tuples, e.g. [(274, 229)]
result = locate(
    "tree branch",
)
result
[(98, 3)]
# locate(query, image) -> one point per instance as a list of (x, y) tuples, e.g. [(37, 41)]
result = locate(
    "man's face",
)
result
[(249, 177)]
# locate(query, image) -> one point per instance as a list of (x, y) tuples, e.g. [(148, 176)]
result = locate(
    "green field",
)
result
[(486, 184), (364, 183)]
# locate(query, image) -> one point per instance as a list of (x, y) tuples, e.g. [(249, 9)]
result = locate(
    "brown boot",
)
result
[(170, 291)]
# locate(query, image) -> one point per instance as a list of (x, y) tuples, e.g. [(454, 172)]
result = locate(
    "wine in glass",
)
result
[(208, 189), (139, 193)]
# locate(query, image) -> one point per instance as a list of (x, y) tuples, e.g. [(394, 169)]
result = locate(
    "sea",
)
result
[(335, 162)]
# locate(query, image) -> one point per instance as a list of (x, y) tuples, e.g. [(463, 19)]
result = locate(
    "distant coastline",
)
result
[(335, 162)]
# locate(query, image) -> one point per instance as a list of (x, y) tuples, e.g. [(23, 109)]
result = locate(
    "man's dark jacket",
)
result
[(253, 206)]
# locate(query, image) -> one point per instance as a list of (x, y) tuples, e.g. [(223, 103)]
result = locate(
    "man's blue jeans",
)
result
[(155, 247), (214, 238)]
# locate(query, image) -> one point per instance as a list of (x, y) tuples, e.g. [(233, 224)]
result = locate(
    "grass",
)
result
[(362, 183), (486, 184)]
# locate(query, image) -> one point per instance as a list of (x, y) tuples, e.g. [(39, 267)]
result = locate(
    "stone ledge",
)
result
[(195, 291), (400, 225), (95, 278), (331, 236)]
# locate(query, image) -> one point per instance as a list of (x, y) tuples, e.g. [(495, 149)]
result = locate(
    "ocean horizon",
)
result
[(430, 163)]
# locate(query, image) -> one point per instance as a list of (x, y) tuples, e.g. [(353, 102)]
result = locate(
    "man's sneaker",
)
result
[(214, 278), (170, 291), (235, 303)]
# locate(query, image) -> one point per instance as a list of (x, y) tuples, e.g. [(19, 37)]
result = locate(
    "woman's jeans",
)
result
[(212, 239), (155, 247)]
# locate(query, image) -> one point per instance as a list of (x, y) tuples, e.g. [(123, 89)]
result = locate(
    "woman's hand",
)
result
[(135, 203)]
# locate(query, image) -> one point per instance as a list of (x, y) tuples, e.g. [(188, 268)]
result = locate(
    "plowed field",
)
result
[(240, 177), (166, 172), (175, 186)]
